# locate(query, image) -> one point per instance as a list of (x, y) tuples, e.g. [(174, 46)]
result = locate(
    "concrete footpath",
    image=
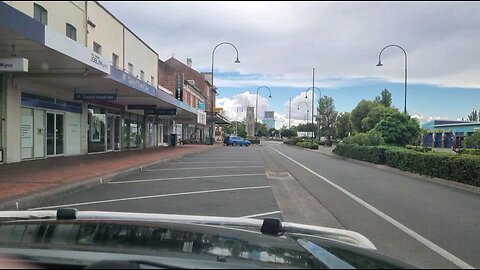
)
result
[(28, 181)]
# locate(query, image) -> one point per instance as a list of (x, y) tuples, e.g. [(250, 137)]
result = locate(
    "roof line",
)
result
[(144, 43)]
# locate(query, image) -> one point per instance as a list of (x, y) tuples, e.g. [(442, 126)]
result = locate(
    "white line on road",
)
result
[(447, 255), (202, 168), (151, 197), (262, 214), (187, 177), (205, 162)]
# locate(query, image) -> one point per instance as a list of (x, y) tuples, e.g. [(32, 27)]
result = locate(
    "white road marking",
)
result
[(262, 214), (202, 168), (182, 178), (447, 255), (151, 197), (205, 162)]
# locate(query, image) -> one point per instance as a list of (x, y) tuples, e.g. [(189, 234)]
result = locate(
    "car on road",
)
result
[(235, 140), (68, 238)]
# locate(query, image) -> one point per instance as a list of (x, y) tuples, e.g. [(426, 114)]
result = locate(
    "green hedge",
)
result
[(293, 141), (463, 169), (459, 168), (254, 141), (308, 145), (375, 154), (470, 152)]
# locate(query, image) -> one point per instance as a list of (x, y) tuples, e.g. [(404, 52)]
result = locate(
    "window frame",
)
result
[(43, 11), (98, 46), (115, 60), (68, 30)]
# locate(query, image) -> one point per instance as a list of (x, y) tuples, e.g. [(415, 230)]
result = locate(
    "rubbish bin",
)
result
[(173, 140)]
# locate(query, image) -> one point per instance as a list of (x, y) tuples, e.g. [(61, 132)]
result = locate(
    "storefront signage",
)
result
[(141, 107), (96, 97), (96, 60), (179, 87), (160, 112), (201, 105), (129, 80), (13, 65)]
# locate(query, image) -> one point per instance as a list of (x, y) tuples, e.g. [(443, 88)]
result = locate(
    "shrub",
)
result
[(470, 152), (293, 141), (373, 154), (463, 169), (308, 145), (254, 141), (419, 149), (370, 138)]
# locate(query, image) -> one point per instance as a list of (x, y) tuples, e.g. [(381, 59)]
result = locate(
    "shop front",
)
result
[(133, 131), (49, 127), (2, 120), (104, 128)]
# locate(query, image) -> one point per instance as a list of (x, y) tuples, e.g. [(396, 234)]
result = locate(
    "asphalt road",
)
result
[(423, 223)]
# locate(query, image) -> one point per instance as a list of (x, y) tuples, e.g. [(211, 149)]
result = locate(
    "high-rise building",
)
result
[(250, 121)]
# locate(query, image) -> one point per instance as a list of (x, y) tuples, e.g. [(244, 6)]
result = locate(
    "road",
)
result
[(420, 222)]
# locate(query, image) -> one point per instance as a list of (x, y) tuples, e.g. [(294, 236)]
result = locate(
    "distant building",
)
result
[(443, 133), (250, 121), (269, 119)]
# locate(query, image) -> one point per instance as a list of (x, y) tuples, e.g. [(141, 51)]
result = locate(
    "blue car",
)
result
[(235, 140)]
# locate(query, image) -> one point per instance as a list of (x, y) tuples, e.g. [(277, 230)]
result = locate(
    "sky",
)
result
[(279, 43)]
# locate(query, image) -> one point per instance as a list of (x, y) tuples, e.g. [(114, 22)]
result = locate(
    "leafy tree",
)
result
[(385, 98), (371, 138), (375, 115), (398, 128), (474, 116), (262, 129), (326, 115), (289, 133), (343, 125), (360, 112), (473, 141)]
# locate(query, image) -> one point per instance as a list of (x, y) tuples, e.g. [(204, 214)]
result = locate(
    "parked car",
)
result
[(235, 140)]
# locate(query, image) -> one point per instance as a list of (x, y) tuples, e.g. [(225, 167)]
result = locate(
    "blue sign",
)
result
[(160, 112), (201, 105), (96, 97), (135, 83)]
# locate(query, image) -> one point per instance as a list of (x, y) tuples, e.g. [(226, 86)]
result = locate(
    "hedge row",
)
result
[(458, 168), (293, 141), (470, 152), (308, 145), (254, 141)]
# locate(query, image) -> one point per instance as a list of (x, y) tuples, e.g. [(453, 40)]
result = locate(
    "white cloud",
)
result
[(233, 106), (426, 118), (340, 39)]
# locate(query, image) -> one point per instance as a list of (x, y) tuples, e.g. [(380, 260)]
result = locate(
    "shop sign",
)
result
[(201, 105), (179, 87), (112, 97), (160, 112), (13, 65), (141, 107)]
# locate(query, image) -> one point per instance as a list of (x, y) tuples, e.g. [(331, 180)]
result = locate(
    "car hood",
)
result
[(294, 245)]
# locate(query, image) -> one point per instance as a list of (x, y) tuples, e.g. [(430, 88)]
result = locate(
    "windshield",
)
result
[(357, 120)]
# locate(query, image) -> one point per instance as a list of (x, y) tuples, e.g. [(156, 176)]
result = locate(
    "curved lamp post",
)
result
[(381, 65), (256, 106), (313, 105), (213, 85), (306, 105)]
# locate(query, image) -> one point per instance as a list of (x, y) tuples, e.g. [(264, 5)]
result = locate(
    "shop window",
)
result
[(96, 129), (115, 60), (2, 84), (71, 31), (40, 14)]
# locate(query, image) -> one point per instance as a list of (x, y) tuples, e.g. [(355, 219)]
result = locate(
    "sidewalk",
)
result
[(30, 177)]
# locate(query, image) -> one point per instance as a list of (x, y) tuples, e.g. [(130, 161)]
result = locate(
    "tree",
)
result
[(385, 98), (343, 125), (289, 133), (375, 115), (474, 116), (262, 129), (361, 111), (326, 115), (398, 128), (473, 141)]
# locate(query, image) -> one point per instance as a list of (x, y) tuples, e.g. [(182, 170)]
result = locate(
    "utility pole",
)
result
[(289, 112), (313, 100)]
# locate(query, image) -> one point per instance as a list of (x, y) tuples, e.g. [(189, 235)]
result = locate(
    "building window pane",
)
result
[(40, 14), (142, 75), (130, 68), (152, 79), (115, 60), (71, 32), (2, 85), (97, 48)]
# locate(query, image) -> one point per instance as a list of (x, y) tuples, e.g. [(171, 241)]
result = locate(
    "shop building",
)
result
[(445, 133), (74, 80)]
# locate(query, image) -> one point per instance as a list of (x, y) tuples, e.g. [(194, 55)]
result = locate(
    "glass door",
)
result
[(110, 132), (55, 134)]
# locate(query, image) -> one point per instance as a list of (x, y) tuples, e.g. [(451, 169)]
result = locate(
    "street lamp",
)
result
[(306, 104), (256, 106), (213, 85), (236, 120), (381, 65), (313, 105)]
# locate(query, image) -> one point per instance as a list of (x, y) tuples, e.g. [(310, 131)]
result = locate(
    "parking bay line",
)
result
[(262, 214), (204, 162), (442, 252), (151, 197), (201, 168), (186, 177)]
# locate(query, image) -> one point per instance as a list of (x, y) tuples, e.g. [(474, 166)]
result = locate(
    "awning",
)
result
[(217, 118)]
